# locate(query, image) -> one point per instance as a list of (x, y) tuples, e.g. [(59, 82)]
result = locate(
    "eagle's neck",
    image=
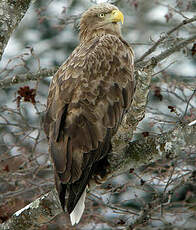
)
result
[(88, 34)]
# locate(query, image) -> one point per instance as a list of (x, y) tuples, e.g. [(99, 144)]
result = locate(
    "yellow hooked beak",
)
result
[(117, 16)]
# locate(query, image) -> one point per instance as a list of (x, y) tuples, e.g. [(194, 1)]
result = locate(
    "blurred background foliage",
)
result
[(44, 39)]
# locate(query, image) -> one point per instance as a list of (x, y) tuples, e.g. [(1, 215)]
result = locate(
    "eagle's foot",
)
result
[(101, 171), (101, 178)]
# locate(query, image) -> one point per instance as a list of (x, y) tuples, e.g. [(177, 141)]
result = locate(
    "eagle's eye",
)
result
[(102, 15)]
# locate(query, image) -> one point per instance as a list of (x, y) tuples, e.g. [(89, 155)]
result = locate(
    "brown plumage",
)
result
[(87, 99)]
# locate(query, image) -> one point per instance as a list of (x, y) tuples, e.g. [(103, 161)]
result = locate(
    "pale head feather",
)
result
[(91, 25)]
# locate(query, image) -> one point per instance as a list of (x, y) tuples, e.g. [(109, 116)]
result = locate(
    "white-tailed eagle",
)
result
[(88, 97)]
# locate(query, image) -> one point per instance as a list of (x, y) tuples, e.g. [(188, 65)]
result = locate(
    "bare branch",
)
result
[(153, 48), (169, 52), (174, 49), (185, 112), (17, 79)]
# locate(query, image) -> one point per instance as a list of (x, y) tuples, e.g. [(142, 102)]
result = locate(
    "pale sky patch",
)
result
[(101, 1)]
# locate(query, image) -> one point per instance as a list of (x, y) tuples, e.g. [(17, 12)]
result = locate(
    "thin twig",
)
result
[(152, 49), (168, 52), (185, 112)]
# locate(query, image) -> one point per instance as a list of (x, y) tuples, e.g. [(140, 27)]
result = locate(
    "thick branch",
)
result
[(11, 13), (34, 215), (149, 149), (137, 111)]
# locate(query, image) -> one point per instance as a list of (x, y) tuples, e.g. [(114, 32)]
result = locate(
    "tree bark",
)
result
[(11, 13)]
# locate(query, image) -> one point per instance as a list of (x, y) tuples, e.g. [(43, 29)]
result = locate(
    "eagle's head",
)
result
[(99, 20)]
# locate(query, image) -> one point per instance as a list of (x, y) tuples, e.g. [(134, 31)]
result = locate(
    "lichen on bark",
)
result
[(11, 13)]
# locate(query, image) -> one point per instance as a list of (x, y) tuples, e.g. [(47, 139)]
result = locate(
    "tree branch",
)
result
[(17, 79), (34, 215), (174, 49), (11, 13), (153, 48), (168, 52)]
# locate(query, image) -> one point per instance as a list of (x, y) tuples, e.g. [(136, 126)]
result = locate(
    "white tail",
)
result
[(76, 214)]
